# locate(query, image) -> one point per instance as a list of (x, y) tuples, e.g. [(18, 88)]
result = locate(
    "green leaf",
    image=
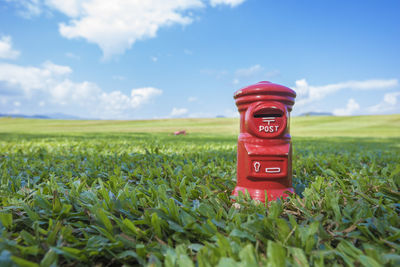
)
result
[(368, 261), (276, 254), (196, 247), (184, 261), (299, 258), (227, 262), (6, 219), (170, 258), (52, 234), (71, 253), (348, 248), (132, 227), (155, 222), (247, 256), (175, 227), (102, 217), (28, 238), (126, 254), (24, 263), (49, 258), (242, 234)]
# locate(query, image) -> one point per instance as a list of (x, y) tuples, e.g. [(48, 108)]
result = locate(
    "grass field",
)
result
[(360, 126), (112, 193)]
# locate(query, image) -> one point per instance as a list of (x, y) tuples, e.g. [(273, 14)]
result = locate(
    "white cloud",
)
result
[(143, 95), (192, 99), (6, 50), (389, 103), (71, 8), (28, 8), (116, 102), (50, 84), (231, 3), (72, 55), (350, 108), (178, 112), (391, 98), (56, 69), (246, 72), (154, 59), (67, 92), (30, 79), (307, 94), (17, 103), (116, 25)]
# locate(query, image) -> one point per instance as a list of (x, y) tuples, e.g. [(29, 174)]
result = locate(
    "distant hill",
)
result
[(58, 116), (24, 116), (313, 113), (62, 116)]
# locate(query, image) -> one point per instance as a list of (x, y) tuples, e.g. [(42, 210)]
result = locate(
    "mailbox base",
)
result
[(258, 194)]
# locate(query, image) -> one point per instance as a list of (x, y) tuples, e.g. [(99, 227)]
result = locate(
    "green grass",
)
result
[(105, 193), (357, 126), (374, 126)]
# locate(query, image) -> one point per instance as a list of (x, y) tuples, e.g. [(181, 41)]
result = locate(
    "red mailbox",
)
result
[(264, 158)]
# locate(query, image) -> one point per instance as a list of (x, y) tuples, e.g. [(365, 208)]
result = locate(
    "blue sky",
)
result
[(185, 58)]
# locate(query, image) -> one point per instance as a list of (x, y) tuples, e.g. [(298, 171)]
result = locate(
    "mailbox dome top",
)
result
[(265, 88), (264, 91)]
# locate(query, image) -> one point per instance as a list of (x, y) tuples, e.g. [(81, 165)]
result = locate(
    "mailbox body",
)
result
[(264, 158)]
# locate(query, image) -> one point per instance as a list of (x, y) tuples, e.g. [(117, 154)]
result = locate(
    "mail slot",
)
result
[(264, 156)]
